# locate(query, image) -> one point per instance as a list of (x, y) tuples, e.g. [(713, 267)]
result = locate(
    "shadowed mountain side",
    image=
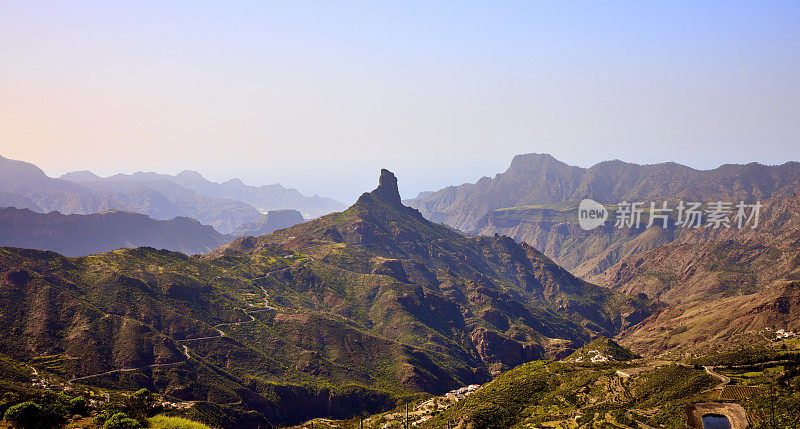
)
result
[(81, 235)]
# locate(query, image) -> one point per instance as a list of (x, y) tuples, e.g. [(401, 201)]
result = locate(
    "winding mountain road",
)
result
[(723, 379), (221, 334), (155, 365)]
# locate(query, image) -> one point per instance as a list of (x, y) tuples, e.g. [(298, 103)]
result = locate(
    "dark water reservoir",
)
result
[(715, 421)]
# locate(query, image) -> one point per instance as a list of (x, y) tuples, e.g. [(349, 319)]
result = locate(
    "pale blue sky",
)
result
[(320, 95)]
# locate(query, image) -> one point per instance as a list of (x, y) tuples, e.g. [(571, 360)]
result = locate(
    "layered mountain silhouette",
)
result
[(80, 235), (264, 198), (535, 200), (346, 312), (272, 221), (225, 206)]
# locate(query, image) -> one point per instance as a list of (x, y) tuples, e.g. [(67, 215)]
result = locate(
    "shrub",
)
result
[(24, 415), (9, 399), (121, 421), (77, 405), (164, 422), (141, 403)]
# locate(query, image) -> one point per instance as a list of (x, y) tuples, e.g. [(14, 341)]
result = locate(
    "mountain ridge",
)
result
[(513, 203), (24, 185), (554, 181), (83, 235)]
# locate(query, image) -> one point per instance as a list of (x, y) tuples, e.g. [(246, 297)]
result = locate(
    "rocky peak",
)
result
[(387, 188)]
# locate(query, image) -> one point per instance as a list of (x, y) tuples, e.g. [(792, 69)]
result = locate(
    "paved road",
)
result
[(723, 379), (155, 365)]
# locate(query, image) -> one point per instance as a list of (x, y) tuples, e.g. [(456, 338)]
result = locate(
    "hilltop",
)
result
[(602, 350)]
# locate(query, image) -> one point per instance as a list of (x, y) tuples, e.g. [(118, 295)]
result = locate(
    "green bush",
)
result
[(9, 399), (105, 414), (141, 403), (165, 422), (77, 405), (24, 415), (121, 421)]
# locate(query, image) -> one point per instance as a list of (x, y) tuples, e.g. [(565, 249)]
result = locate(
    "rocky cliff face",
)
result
[(556, 233), (719, 284), (387, 190), (270, 222)]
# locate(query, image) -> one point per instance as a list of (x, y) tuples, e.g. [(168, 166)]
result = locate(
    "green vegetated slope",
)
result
[(332, 317), (540, 392)]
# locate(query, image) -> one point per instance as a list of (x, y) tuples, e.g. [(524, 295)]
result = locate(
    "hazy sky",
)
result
[(319, 96)]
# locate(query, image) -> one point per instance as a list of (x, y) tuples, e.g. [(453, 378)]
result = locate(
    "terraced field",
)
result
[(738, 393)]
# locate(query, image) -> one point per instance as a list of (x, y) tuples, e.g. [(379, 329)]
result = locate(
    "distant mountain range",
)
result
[(535, 200), (264, 198), (23, 185), (82, 235)]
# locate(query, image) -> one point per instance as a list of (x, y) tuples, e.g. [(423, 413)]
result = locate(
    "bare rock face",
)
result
[(387, 190), (501, 353), (270, 222)]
